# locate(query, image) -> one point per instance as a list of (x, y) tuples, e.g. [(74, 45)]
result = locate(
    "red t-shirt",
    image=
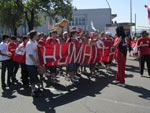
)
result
[(72, 40), (145, 47), (42, 42), (108, 42), (51, 41), (128, 42), (12, 48)]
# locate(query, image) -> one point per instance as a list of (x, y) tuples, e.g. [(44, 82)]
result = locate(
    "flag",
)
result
[(148, 9), (92, 25)]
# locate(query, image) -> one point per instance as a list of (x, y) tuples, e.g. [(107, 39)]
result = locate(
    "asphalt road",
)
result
[(90, 96)]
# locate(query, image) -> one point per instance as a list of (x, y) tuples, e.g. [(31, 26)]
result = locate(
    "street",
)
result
[(98, 95)]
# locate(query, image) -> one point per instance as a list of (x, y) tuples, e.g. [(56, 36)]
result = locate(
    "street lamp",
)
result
[(131, 17), (110, 11), (108, 4)]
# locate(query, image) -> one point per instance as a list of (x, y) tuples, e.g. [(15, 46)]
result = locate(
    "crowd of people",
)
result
[(32, 73)]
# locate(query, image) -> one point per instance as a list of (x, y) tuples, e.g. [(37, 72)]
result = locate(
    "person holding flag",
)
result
[(52, 41)]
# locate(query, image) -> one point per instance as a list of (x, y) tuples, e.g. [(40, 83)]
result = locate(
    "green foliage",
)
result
[(10, 15), (13, 12)]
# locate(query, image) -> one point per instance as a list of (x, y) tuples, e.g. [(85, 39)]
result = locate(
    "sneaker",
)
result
[(115, 82), (74, 80), (107, 70), (33, 93), (76, 77), (47, 74), (122, 85), (54, 80), (94, 76), (67, 78)]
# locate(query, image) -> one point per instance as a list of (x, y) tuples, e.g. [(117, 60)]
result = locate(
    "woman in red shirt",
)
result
[(72, 68), (52, 41), (121, 53), (108, 43)]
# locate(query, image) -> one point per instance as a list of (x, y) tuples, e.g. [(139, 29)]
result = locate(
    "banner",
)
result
[(148, 9), (62, 54)]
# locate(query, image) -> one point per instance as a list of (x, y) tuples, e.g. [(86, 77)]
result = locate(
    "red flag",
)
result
[(148, 9)]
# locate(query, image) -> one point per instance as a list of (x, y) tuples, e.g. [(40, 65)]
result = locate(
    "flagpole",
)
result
[(131, 17), (130, 11), (135, 22)]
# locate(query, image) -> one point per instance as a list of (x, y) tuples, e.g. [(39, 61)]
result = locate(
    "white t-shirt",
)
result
[(31, 49), (4, 50), (100, 43)]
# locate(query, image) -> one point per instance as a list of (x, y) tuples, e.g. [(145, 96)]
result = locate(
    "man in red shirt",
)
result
[(12, 45), (144, 46)]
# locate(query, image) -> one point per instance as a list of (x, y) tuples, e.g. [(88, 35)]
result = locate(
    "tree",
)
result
[(36, 10), (10, 15), (13, 12)]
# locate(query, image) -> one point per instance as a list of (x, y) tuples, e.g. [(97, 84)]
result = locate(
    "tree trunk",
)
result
[(31, 20), (15, 31), (30, 26)]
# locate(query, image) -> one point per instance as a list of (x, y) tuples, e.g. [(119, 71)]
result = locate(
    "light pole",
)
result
[(130, 11), (131, 17), (110, 11), (108, 4)]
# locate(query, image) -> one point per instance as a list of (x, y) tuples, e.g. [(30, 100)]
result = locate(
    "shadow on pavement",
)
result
[(8, 93), (48, 102), (144, 93), (132, 69)]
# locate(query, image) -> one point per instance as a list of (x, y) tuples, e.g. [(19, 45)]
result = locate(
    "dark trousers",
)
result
[(24, 74), (15, 67), (6, 65), (143, 59)]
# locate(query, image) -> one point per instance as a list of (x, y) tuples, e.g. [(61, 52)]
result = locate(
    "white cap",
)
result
[(108, 33), (65, 32), (38, 33)]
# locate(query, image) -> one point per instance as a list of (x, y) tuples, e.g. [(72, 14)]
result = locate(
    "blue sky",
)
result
[(119, 7)]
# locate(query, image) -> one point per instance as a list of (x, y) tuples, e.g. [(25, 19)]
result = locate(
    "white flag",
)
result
[(92, 25)]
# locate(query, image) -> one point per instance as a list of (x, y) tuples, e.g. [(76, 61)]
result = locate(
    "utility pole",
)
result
[(110, 11), (131, 17), (130, 11), (135, 22)]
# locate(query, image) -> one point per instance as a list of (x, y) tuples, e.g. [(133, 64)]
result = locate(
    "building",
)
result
[(100, 17), (81, 18)]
